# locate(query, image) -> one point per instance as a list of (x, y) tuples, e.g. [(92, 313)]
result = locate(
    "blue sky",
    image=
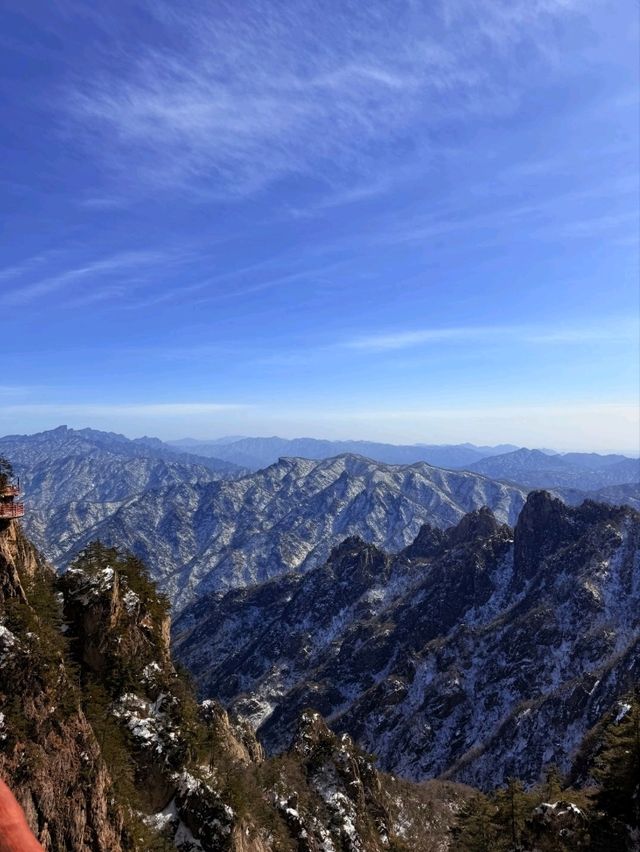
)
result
[(405, 221)]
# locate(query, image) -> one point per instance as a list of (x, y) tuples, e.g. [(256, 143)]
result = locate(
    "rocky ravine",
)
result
[(106, 749), (480, 652)]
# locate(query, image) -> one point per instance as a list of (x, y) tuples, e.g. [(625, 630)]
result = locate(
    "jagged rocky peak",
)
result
[(475, 526), (545, 524), (234, 737), (356, 808), (355, 559), (480, 524), (426, 544)]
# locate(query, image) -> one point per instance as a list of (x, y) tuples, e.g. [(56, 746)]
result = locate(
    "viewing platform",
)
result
[(9, 509)]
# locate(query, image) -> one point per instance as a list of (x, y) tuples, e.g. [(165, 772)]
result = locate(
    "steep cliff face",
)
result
[(49, 754), (107, 749), (479, 652)]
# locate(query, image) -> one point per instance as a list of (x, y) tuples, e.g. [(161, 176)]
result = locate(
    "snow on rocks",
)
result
[(131, 601), (9, 643), (149, 726)]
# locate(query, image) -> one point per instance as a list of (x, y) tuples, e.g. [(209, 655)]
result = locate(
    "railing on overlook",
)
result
[(11, 510)]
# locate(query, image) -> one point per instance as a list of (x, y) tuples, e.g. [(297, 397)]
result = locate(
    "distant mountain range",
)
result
[(255, 453), (584, 471), (478, 652), (74, 479), (26, 451), (529, 468)]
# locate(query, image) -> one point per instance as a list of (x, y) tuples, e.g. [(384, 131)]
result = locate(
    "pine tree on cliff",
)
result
[(618, 773), (475, 830), (512, 811), (6, 471)]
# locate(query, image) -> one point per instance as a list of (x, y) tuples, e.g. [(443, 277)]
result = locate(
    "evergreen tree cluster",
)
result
[(6, 472), (553, 817)]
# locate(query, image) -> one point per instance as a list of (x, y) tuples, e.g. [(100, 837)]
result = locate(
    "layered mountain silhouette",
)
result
[(256, 453), (583, 471)]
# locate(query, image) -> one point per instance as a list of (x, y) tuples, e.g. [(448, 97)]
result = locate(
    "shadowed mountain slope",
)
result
[(479, 651)]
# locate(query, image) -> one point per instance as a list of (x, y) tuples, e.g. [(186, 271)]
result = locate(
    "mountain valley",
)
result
[(478, 652)]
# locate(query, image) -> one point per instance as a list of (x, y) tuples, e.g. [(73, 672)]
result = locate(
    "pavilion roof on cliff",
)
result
[(9, 490)]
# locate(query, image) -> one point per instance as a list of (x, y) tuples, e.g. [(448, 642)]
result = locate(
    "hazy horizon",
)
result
[(318, 437)]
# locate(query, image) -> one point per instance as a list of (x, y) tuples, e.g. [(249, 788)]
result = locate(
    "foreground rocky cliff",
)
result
[(49, 753), (479, 652), (106, 748)]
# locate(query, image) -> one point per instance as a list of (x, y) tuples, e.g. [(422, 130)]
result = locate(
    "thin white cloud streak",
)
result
[(90, 272), (29, 264), (553, 217), (263, 90), (198, 290), (623, 330), (15, 391), (626, 409), (115, 276)]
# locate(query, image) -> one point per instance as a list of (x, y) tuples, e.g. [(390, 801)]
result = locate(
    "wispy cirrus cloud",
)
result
[(260, 91), (26, 266), (91, 276), (621, 329)]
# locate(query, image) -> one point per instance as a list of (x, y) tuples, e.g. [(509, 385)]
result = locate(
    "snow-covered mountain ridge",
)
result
[(205, 536), (204, 525)]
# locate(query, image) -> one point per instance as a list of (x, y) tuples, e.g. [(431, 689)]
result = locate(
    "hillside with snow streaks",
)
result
[(582, 471), (478, 652), (202, 537)]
